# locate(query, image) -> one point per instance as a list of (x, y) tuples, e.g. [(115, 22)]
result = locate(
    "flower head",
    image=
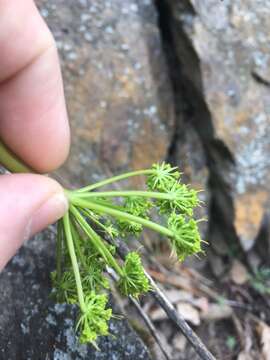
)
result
[(133, 282), (93, 321), (93, 278), (183, 200), (186, 238), (129, 227), (111, 230), (163, 175), (136, 206), (65, 286)]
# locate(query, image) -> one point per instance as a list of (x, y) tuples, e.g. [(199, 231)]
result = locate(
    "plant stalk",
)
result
[(11, 162), (74, 261), (97, 242), (135, 193), (115, 179), (59, 249), (121, 215)]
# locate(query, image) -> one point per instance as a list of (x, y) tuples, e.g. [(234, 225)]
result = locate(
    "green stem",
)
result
[(76, 242), (74, 261), (87, 213), (116, 178), (96, 241), (59, 249), (128, 193), (121, 215), (70, 194), (11, 162)]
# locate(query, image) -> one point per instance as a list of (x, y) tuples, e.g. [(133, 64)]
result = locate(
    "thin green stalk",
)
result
[(70, 196), (96, 240), (59, 250), (106, 203), (77, 244), (128, 193), (87, 213), (11, 162), (121, 215), (74, 261), (116, 178)]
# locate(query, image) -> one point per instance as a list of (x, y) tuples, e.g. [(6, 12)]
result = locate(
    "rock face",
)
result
[(32, 326), (121, 113), (118, 96), (223, 55)]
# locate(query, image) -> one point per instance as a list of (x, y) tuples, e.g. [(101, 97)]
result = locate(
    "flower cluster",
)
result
[(162, 177), (133, 281), (136, 206), (94, 318), (95, 218), (186, 238)]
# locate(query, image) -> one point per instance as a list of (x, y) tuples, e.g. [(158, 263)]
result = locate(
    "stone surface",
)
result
[(227, 43), (121, 113), (118, 96), (32, 326)]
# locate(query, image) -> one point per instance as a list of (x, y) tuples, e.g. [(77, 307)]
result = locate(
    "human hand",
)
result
[(33, 124)]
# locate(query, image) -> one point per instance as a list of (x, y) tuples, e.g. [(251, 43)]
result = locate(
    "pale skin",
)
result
[(33, 123)]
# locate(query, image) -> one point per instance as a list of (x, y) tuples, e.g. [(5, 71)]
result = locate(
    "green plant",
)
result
[(261, 280), (83, 253), (231, 342)]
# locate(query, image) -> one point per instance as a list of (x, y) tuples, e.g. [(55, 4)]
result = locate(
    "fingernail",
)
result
[(49, 212)]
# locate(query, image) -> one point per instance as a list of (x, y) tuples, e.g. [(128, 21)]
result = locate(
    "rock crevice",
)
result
[(218, 56), (192, 111)]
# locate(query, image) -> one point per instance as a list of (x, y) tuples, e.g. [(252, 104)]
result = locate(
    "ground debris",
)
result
[(264, 333), (239, 273)]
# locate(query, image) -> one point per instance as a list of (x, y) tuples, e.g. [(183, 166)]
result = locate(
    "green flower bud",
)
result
[(164, 175), (182, 199), (133, 282), (186, 238), (93, 322)]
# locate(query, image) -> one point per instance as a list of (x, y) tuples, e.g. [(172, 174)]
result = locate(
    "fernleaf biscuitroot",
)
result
[(84, 255)]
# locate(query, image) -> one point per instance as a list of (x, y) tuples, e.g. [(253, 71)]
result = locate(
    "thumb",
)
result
[(29, 203)]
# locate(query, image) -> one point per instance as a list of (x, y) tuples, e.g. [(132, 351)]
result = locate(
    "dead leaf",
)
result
[(201, 303), (158, 314), (239, 273), (217, 312), (216, 263), (174, 295), (174, 280), (189, 313), (179, 342), (264, 332), (244, 355)]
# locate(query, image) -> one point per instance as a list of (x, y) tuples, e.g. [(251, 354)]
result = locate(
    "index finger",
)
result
[(33, 118)]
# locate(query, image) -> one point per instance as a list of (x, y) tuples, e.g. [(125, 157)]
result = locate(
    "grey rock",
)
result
[(224, 53), (115, 78), (33, 326), (121, 113)]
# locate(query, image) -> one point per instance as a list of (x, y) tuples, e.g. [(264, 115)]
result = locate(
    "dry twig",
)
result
[(150, 326), (171, 312), (145, 318)]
